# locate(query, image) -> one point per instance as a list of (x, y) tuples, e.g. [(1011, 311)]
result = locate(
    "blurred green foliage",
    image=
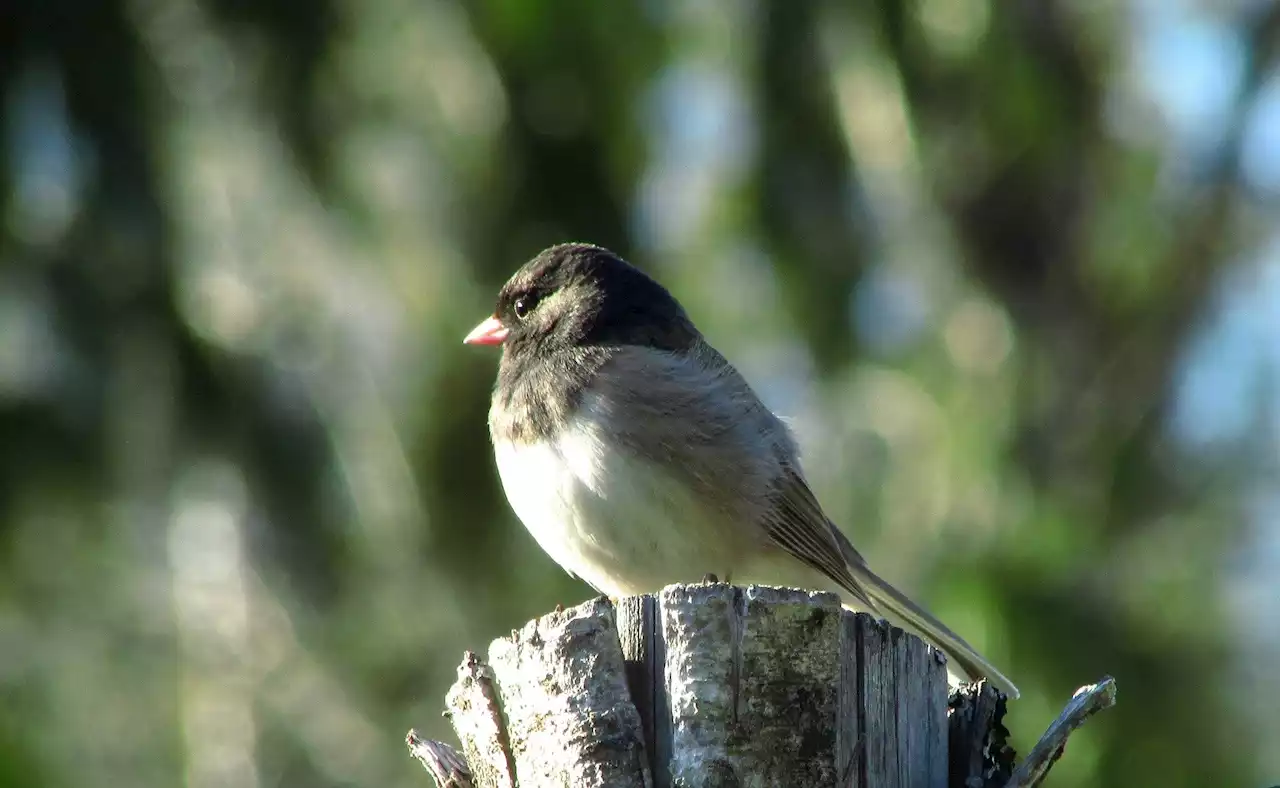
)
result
[(248, 514)]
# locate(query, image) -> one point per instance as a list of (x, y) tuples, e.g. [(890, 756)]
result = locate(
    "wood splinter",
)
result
[(445, 764), (1088, 701)]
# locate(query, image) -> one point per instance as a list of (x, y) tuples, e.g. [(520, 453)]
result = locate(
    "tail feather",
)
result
[(902, 612)]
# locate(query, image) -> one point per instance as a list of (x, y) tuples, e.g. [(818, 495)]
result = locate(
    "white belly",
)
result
[(615, 520)]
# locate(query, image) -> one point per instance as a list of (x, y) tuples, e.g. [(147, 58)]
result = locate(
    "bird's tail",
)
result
[(902, 612)]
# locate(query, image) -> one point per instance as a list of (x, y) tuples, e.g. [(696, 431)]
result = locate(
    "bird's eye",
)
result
[(523, 306)]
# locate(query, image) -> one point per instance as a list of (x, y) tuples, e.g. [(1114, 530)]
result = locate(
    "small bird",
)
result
[(638, 457)]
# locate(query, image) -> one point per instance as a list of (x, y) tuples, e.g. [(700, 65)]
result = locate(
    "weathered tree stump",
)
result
[(716, 685)]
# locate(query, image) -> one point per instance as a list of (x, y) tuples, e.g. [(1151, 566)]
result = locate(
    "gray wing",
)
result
[(697, 415), (797, 524)]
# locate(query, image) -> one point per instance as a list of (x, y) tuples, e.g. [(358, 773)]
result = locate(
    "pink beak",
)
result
[(489, 332)]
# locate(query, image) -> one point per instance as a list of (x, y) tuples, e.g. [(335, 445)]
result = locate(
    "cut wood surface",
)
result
[(717, 685)]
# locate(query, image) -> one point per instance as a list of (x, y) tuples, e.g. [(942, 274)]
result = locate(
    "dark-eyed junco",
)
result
[(638, 457)]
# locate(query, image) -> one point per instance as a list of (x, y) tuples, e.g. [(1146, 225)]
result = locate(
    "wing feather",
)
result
[(698, 418), (797, 524)]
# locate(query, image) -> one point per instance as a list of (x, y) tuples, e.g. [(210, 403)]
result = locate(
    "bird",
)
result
[(638, 457)]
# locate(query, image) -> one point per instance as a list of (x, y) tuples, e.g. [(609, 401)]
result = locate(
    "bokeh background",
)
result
[(1012, 269)]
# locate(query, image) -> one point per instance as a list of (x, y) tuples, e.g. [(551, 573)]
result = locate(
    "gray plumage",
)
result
[(637, 456)]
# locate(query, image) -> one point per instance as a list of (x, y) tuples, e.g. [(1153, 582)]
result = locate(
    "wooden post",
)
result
[(715, 685)]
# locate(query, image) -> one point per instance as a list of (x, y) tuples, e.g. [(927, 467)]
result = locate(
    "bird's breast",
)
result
[(622, 523)]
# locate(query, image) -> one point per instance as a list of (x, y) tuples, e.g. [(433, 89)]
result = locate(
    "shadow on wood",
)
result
[(719, 685)]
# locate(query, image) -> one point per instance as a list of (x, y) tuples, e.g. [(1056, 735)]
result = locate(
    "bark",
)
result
[(715, 685)]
